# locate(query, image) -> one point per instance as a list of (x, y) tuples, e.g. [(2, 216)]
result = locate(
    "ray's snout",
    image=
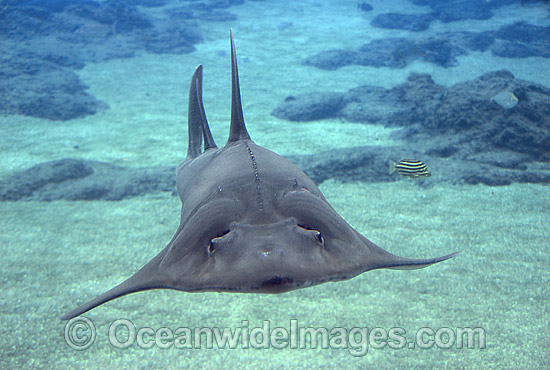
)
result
[(276, 257)]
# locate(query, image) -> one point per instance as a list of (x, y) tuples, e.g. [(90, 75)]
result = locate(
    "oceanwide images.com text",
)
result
[(80, 334)]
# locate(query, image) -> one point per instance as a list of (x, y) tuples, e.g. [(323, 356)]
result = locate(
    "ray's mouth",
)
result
[(277, 284)]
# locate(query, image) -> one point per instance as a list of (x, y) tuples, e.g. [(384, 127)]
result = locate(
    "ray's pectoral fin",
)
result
[(374, 257), (145, 279), (400, 263), (378, 258)]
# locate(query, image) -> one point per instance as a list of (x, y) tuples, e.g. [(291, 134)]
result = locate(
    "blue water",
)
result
[(108, 81)]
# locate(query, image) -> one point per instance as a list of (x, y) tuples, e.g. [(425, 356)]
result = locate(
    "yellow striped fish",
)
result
[(409, 168)]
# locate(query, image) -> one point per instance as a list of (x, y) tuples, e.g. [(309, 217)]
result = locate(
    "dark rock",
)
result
[(524, 137), (450, 11), (59, 107), (477, 41), (63, 60), (57, 94), (376, 112), (55, 6), (454, 10), (410, 22), (502, 159), (508, 49), (150, 3), (368, 104), (331, 60), (523, 32), (223, 4), (444, 11), (23, 23), (76, 179), (126, 17), (214, 5), (365, 7), (309, 107), (399, 52), (216, 16), (519, 40), (391, 52), (177, 36), (522, 40), (23, 184), (443, 151)]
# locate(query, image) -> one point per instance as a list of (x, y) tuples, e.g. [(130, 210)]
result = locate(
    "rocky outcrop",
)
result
[(460, 124), (519, 40), (77, 179), (42, 43)]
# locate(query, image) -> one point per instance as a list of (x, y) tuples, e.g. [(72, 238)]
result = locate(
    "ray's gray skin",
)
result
[(251, 221)]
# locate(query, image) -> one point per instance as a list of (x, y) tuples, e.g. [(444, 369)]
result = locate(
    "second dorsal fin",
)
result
[(198, 128)]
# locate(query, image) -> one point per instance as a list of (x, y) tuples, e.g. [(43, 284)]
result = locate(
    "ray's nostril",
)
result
[(265, 252), (268, 251)]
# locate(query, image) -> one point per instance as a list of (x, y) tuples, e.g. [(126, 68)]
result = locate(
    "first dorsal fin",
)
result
[(238, 129)]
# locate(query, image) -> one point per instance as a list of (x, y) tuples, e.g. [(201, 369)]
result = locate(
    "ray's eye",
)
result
[(316, 233), (319, 236), (216, 239)]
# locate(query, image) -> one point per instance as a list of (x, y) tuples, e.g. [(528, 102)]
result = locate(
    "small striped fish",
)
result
[(409, 168)]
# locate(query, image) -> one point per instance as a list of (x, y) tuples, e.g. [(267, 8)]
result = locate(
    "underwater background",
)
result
[(93, 122)]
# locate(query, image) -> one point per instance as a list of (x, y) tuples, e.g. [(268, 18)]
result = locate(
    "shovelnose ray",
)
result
[(251, 221)]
